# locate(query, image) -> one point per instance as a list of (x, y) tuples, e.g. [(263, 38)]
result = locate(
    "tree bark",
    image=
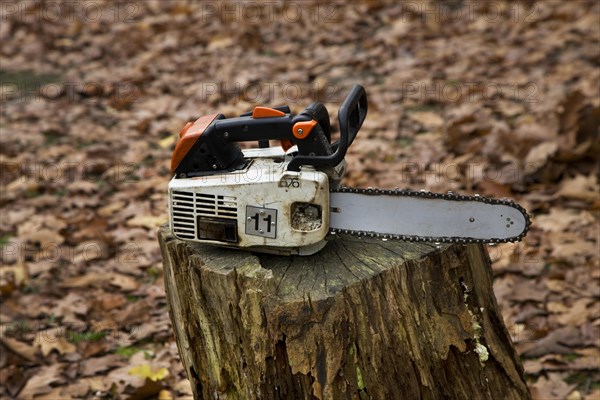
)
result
[(362, 319)]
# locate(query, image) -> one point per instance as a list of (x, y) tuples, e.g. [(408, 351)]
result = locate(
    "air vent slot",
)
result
[(183, 215), (186, 207)]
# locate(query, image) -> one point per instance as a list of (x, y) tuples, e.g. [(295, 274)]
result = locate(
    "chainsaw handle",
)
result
[(210, 144), (351, 116)]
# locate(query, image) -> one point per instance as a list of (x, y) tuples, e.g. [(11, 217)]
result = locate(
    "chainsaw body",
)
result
[(262, 206), (285, 200), (268, 199)]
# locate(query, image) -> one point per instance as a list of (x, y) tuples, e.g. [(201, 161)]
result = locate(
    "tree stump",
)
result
[(362, 319)]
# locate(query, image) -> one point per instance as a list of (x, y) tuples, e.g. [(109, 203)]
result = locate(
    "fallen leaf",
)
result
[(571, 248), (551, 388), (183, 388), (111, 208), (593, 395), (146, 221), (60, 392), (55, 339), (124, 282), (167, 142), (24, 350), (577, 314), (71, 306), (557, 342), (41, 381), (219, 43), (89, 279), (539, 154), (561, 219), (427, 119), (13, 277), (147, 371), (99, 365), (580, 187)]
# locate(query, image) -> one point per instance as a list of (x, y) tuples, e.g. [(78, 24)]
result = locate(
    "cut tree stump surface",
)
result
[(362, 319)]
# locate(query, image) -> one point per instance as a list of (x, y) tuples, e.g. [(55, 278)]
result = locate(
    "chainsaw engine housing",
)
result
[(263, 206)]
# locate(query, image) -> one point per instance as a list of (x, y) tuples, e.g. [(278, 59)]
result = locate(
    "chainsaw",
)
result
[(286, 199)]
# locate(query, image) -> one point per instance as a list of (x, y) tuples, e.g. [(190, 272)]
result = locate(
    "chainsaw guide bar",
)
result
[(374, 193)]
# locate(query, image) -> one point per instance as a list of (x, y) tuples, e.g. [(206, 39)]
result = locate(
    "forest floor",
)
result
[(496, 98)]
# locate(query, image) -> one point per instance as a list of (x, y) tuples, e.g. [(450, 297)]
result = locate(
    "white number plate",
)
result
[(261, 221)]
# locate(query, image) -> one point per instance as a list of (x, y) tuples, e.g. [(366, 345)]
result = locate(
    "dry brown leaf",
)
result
[(24, 350), (19, 185), (569, 118), (14, 217), (134, 386), (110, 301), (580, 187), (427, 119), (571, 248), (41, 380), (576, 314), (134, 313), (525, 290), (111, 208), (147, 221), (60, 392), (557, 342), (183, 388), (593, 395), (13, 277), (557, 307), (220, 43), (89, 348), (55, 339), (533, 367), (70, 307), (98, 365), (551, 388), (539, 155), (86, 187), (561, 219), (89, 279), (526, 136), (124, 282)]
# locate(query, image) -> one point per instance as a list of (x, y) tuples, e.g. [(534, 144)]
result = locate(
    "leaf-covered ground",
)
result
[(496, 98)]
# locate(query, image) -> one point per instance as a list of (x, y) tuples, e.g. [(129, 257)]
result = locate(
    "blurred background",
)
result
[(500, 98)]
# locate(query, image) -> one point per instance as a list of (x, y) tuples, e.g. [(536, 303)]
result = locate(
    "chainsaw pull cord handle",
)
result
[(351, 116)]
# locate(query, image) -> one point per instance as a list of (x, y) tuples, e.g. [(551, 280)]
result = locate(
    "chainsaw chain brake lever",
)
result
[(210, 144)]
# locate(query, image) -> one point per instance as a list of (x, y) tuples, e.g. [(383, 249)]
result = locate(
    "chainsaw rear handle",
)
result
[(351, 116), (209, 144)]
